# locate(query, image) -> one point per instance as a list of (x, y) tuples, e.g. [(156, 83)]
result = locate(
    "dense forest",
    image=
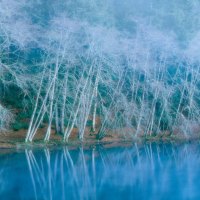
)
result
[(101, 66)]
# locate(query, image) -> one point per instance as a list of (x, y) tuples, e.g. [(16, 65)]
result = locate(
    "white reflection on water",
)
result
[(151, 171)]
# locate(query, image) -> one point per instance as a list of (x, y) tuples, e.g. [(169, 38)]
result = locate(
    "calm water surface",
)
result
[(150, 171)]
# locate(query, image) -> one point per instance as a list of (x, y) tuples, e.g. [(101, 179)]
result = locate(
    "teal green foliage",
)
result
[(19, 125), (21, 120), (89, 123)]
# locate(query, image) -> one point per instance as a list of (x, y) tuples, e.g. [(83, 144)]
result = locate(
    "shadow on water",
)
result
[(151, 171)]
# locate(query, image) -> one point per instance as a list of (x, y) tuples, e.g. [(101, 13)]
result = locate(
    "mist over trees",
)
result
[(134, 68)]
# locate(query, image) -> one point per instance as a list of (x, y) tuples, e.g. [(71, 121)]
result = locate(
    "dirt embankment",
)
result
[(16, 139)]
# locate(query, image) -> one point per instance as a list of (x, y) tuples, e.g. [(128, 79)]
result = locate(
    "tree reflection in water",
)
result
[(151, 171)]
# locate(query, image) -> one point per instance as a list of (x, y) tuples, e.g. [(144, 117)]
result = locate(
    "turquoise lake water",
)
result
[(151, 171)]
